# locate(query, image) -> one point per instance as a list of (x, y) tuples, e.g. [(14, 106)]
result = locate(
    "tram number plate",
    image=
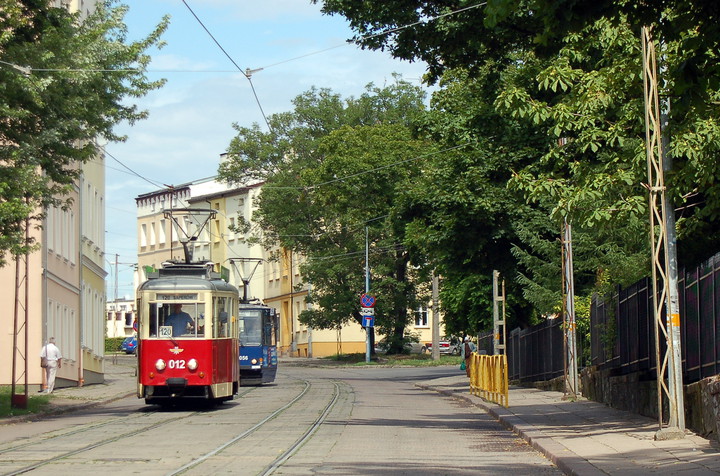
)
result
[(244, 357), (165, 331), (176, 364)]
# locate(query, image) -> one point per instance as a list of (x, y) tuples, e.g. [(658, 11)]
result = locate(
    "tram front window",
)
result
[(250, 328), (180, 320)]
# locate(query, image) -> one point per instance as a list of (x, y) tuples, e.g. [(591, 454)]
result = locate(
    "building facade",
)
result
[(59, 290), (121, 314), (269, 276)]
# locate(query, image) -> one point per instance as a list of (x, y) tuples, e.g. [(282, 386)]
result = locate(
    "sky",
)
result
[(190, 118)]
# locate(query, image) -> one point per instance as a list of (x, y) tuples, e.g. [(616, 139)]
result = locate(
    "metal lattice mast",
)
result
[(499, 334), (664, 271)]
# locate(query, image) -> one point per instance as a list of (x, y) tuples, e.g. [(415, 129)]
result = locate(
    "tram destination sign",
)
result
[(176, 297)]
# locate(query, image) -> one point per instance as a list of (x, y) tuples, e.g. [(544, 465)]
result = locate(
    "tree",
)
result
[(63, 84), (331, 169), (554, 32)]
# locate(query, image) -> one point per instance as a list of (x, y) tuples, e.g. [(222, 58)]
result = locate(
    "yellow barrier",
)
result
[(489, 378)]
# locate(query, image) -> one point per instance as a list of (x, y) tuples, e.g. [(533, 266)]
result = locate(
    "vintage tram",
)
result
[(187, 335), (258, 335)]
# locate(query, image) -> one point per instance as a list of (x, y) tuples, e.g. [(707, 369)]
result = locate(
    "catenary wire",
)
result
[(247, 76)]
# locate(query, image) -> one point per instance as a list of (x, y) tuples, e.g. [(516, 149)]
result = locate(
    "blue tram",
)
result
[(258, 332)]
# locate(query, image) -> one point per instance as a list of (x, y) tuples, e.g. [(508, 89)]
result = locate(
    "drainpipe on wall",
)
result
[(81, 287)]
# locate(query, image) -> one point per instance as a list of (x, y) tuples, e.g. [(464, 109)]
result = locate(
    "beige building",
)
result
[(272, 276), (286, 291), (59, 290)]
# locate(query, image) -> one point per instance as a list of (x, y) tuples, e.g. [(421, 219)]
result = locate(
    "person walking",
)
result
[(51, 358), (467, 350)]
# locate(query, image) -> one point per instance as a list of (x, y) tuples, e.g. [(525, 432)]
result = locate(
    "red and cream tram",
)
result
[(187, 336)]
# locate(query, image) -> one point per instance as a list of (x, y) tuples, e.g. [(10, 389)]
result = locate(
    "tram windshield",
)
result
[(250, 326), (186, 319)]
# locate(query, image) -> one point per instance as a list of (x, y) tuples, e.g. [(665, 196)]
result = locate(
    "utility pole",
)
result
[(116, 278), (499, 335), (664, 270), (570, 335), (368, 329), (436, 318)]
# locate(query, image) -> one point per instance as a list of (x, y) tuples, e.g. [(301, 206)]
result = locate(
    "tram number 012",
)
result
[(176, 364)]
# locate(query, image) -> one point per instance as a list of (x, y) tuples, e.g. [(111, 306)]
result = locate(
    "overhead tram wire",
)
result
[(244, 73), (374, 35)]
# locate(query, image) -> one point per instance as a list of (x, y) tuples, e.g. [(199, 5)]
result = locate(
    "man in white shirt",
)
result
[(54, 361)]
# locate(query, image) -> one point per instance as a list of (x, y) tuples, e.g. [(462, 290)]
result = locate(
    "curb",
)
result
[(60, 410), (564, 458)]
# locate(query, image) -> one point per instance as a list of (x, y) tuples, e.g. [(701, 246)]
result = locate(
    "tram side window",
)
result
[(182, 319), (267, 323), (153, 320), (221, 317)]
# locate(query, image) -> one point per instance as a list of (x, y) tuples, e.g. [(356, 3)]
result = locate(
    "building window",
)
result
[(421, 317), (231, 229), (161, 232)]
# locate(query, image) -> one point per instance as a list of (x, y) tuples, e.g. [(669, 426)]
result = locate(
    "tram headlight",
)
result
[(192, 364), (254, 361), (160, 364)]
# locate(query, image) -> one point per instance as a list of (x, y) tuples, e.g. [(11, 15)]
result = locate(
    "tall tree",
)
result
[(458, 34), (333, 168), (63, 85)]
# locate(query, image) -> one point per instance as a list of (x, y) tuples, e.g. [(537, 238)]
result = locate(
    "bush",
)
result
[(112, 344)]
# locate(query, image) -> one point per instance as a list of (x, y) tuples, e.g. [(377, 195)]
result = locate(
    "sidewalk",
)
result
[(589, 438), (120, 381)]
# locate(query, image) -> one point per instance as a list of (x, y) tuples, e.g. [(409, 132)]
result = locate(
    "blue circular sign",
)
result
[(367, 301)]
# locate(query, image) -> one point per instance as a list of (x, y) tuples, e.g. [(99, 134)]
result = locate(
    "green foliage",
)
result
[(35, 404), (333, 169), (112, 344), (80, 75)]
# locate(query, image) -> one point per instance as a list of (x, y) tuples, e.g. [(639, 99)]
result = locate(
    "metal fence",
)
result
[(622, 333), (534, 354)]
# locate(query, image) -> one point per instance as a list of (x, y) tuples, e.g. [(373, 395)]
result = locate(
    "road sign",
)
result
[(367, 311), (367, 301), (368, 321)]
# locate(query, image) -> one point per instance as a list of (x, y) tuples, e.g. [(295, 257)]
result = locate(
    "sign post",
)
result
[(367, 311)]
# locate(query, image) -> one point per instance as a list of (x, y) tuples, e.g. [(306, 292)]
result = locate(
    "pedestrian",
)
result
[(467, 350), (51, 359), (180, 321)]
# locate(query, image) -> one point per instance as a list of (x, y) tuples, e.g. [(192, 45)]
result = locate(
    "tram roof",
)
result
[(186, 276)]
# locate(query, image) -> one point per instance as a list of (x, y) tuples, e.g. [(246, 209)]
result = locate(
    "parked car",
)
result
[(409, 346), (446, 347), (129, 345)]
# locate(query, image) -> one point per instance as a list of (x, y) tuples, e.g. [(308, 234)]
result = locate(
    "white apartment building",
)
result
[(121, 314)]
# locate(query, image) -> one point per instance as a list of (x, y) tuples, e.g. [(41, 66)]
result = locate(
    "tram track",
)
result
[(268, 424), (6, 454), (242, 435), (291, 451), (221, 456)]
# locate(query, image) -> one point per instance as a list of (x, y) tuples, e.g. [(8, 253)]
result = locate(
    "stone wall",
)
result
[(637, 393)]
